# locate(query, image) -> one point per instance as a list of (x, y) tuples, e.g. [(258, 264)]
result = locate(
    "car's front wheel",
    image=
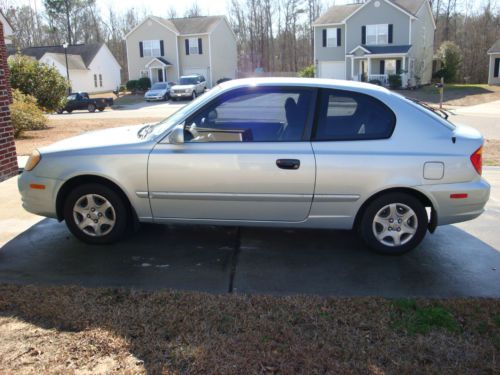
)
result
[(193, 95), (96, 214), (394, 223)]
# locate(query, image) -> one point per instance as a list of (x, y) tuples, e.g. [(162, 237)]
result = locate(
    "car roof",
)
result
[(305, 82), (191, 75)]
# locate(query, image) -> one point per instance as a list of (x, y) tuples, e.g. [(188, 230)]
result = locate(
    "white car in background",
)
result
[(189, 87)]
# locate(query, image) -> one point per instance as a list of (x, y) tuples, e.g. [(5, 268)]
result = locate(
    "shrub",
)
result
[(451, 56), (132, 85), (375, 82), (225, 79), (307, 72), (395, 81), (25, 113), (39, 80), (144, 83)]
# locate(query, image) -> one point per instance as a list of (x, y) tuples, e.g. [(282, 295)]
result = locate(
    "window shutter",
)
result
[(200, 46), (391, 32), (162, 49), (141, 49), (339, 37), (324, 37), (398, 66), (382, 66), (363, 34), (497, 68), (186, 42)]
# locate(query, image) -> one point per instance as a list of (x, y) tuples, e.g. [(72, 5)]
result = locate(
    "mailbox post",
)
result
[(440, 86)]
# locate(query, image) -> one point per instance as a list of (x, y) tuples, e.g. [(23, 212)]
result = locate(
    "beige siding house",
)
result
[(494, 66), (165, 49), (370, 40)]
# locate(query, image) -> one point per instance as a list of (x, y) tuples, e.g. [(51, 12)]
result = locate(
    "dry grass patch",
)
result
[(60, 129), (192, 333), (491, 152)]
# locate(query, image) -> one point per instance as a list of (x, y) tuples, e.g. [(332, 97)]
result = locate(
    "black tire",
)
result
[(60, 111), (69, 111), (101, 109), (193, 95), (121, 215), (91, 107), (367, 226)]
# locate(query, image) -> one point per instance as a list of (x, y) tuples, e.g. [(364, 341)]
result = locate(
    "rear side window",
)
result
[(350, 116)]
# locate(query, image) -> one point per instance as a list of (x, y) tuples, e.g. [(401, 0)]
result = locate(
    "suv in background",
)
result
[(189, 87)]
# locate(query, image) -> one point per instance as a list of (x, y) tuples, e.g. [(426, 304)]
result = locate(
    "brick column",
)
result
[(8, 155)]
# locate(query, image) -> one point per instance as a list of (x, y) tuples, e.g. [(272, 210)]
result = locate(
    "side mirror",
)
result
[(176, 137)]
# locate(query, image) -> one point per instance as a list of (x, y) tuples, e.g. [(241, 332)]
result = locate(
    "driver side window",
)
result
[(252, 115)]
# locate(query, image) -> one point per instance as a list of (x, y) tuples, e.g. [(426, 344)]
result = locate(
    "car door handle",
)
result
[(288, 163)]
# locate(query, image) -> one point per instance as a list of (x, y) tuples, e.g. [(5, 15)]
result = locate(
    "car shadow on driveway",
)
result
[(450, 263)]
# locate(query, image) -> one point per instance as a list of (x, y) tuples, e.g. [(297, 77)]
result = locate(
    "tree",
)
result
[(40, 80), (194, 10), (451, 56)]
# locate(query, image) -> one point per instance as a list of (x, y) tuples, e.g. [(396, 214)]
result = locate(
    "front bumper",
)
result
[(154, 98), (181, 94), (451, 210), (38, 201)]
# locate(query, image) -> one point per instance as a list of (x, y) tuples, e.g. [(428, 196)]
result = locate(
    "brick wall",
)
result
[(8, 155)]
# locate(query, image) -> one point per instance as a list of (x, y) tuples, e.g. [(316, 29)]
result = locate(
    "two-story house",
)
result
[(165, 49), (374, 39)]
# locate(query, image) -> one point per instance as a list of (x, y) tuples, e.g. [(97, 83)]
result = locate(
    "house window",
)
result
[(331, 37), (193, 46), (377, 34), (100, 80), (151, 48), (95, 80)]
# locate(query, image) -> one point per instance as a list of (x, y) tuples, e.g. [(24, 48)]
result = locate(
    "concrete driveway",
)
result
[(459, 260)]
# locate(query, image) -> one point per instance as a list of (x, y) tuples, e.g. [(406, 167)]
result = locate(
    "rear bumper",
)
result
[(38, 201), (451, 210)]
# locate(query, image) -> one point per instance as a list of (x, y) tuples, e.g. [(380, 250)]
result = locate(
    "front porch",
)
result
[(157, 70), (367, 66)]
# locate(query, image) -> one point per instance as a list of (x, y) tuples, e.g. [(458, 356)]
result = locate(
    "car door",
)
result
[(246, 156)]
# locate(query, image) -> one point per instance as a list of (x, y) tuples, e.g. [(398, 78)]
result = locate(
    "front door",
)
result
[(160, 75), (243, 158)]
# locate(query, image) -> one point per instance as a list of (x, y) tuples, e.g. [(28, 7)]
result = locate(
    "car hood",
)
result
[(125, 135), (155, 92), (183, 87)]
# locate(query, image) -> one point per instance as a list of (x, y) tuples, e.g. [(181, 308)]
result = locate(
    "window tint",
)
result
[(252, 115), (347, 115)]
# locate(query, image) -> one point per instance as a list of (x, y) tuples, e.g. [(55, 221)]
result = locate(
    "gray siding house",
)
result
[(494, 66), (374, 39), (165, 49)]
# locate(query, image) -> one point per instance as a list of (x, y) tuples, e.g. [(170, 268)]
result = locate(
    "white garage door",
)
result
[(202, 71), (332, 69)]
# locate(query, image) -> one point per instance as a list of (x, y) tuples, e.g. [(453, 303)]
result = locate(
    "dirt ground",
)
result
[(491, 152), (59, 130), (76, 330), (456, 95)]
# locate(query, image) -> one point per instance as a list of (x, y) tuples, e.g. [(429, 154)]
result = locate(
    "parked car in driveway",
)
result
[(305, 153), (189, 87), (82, 100), (159, 91)]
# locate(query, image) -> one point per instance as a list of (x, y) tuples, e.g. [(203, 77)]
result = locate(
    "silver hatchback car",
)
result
[(305, 153)]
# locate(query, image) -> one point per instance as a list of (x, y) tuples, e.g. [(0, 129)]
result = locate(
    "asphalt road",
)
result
[(458, 260)]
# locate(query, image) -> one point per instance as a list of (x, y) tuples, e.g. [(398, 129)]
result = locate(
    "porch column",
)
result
[(164, 74), (369, 67), (404, 63), (352, 67), (151, 74)]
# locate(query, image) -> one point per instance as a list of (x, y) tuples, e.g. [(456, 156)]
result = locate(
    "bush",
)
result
[(395, 81), (25, 113), (375, 82), (451, 57), (221, 80), (144, 83), (132, 85), (39, 80), (307, 72)]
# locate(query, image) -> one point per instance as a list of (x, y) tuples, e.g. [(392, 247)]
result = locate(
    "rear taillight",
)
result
[(477, 160)]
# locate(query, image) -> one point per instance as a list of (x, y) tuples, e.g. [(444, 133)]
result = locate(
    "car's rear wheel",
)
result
[(96, 214), (101, 109), (394, 223), (193, 95), (91, 107)]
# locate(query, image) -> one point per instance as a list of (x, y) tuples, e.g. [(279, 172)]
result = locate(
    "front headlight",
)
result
[(33, 160)]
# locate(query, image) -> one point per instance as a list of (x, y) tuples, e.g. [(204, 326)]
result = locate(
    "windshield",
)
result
[(159, 86), (188, 81), (179, 116)]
